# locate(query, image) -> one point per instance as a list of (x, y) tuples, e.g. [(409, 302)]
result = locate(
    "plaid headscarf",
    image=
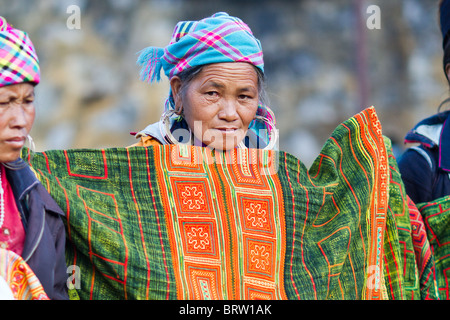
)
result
[(219, 38), (18, 60)]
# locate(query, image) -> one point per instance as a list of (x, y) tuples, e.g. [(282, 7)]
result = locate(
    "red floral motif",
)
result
[(198, 238), (193, 197), (260, 257), (257, 214)]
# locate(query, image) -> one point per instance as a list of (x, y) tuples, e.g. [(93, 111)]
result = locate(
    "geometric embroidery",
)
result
[(204, 283), (259, 294), (98, 222), (199, 238), (257, 214), (260, 258), (192, 197), (84, 164), (232, 235), (204, 286)]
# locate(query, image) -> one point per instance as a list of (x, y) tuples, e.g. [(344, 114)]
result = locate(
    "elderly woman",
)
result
[(216, 72), (30, 221)]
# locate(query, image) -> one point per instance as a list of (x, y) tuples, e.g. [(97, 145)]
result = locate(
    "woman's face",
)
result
[(16, 119), (219, 103)]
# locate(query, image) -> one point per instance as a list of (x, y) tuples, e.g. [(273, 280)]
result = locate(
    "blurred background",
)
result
[(323, 65)]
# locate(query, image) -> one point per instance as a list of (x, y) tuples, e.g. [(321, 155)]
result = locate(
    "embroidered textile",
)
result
[(21, 279), (18, 58), (414, 259), (173, 222), (436, 215)]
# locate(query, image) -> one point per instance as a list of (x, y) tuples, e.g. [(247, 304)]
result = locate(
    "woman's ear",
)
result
[(175, 85)]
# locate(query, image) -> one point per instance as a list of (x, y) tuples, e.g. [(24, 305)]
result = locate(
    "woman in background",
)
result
[(30, 220)]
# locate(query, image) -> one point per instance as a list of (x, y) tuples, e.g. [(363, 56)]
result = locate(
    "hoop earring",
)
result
[(164, 128), (241, 145), (30, 146), (273, 136)]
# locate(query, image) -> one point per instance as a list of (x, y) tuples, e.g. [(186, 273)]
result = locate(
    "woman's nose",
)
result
[(17, 116), (228, 110)]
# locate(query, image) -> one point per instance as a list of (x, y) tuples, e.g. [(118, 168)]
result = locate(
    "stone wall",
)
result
[(322, 66)]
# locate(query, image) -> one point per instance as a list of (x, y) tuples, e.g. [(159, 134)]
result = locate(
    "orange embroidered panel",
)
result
[(226, 223)]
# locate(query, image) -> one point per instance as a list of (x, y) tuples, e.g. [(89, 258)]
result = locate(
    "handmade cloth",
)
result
[(23, 283), (436, 216), (182, 222), (409, 232), (18, 59)]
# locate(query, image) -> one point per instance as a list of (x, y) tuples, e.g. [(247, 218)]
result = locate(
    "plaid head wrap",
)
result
[(219, 38), (18, 60)]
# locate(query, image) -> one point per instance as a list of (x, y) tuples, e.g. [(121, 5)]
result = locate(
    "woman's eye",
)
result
[(211, 93)]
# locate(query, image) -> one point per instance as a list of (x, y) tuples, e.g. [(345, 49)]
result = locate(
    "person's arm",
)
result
[(417, 175), (61, 275)]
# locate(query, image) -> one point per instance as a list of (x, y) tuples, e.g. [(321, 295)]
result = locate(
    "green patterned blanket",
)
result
[(176, 222), (436, 216)]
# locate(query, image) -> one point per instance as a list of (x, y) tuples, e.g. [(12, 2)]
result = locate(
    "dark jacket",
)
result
[(425, 168), (44, 247)]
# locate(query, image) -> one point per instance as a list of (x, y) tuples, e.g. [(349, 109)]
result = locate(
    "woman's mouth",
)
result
[(17, 142), (227, 130)]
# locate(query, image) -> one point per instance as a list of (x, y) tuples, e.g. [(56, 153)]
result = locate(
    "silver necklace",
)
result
[(2, 201)]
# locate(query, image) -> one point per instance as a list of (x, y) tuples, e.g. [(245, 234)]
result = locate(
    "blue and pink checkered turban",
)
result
[(216, 39), (18, 60)]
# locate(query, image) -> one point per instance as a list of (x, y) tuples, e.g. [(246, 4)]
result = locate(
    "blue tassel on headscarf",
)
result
[(150, 62)]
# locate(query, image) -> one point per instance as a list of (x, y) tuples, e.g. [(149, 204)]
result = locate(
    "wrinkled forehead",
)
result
[(17, 90)]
